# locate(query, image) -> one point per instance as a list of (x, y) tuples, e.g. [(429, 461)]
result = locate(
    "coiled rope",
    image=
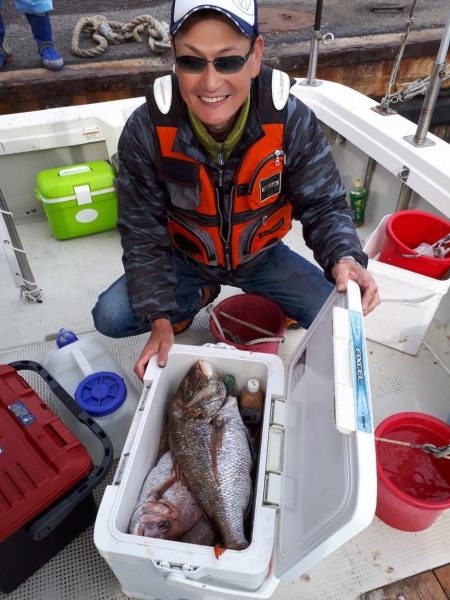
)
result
[(105, 32), (228, 335)]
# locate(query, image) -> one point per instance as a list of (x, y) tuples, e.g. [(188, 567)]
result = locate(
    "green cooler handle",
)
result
[(74, 170)]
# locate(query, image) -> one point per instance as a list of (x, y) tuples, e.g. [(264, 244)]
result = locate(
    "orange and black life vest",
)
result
[(259, 215)]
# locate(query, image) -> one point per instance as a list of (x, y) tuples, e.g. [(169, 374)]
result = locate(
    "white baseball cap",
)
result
[(243, 13)]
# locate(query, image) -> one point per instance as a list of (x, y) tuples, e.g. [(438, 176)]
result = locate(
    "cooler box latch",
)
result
[(83, 194), (275, 452)]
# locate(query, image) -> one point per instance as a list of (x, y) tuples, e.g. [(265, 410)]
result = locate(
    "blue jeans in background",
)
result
[(32, 7), (283, 275)]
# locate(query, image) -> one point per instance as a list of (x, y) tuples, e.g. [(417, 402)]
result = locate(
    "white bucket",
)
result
[(94, 378), (408, 300)]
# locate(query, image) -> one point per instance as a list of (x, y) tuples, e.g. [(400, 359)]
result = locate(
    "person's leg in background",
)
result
[(38, 17), (5, 52)]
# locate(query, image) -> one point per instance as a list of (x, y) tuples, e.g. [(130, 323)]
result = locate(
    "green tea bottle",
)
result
[(357, 196)]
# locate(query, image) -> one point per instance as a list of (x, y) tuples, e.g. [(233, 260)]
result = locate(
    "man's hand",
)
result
[(346, 269), (160, 342)]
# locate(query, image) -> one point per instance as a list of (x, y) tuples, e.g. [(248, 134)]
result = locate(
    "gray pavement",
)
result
[(345, 18)]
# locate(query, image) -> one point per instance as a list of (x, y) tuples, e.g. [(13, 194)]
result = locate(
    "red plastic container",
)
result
[(44, 472), (405, 230), (250, 308), (413, 486)]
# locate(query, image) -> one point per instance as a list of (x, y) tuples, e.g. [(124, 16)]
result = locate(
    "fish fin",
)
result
[(218, 551), (216, 443), (179, 475), (177, 472), (159, 492)]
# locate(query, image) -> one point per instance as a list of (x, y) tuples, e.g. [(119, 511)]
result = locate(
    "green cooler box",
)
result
[(79, 199)]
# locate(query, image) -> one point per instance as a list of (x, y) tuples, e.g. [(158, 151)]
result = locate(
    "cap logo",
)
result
[(245, 5)]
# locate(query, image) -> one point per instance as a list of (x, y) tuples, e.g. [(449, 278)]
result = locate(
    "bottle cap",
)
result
[(357, 182), (65, 337), (101, 393), (253, 386)]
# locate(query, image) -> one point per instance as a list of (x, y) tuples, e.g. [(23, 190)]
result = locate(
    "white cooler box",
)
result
[(408, 300), (316, 480)]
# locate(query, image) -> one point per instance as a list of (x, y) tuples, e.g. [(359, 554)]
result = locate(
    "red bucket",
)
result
[(405, 230), (254, 311), (413, 485)]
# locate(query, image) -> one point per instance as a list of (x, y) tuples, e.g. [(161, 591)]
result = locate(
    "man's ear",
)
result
[(256, 56)]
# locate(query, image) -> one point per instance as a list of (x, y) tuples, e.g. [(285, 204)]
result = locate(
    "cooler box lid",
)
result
[(75, 182), (328, 481), (40, 459)]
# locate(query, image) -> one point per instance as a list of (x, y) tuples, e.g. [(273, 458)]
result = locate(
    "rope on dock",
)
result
[(105, 32)]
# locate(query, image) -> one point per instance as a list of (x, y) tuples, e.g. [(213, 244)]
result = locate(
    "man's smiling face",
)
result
[(215, 98)]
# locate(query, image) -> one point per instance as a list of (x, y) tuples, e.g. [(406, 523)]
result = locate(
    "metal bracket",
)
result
[(403, 174), (383, 111), (411, 139)]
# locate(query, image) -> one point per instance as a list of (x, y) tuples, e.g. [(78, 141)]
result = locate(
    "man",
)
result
[(212, 168), (37, 15)]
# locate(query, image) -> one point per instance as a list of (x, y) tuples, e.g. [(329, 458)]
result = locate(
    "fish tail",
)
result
[(218, 551)]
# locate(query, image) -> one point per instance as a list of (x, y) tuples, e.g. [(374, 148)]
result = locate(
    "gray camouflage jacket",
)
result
[(310, 180)]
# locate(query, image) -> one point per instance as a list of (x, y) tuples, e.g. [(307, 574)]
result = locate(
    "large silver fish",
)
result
[(210, 445), (165, 508)]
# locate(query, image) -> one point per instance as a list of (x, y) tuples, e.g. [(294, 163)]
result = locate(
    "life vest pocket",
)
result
[(182, 180), (278, 225), (195, 242)]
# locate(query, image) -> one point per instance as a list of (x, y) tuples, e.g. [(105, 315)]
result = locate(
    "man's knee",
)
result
[(104, 321)]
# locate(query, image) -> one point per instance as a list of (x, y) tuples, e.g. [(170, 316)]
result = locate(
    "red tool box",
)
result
[(46, 476)]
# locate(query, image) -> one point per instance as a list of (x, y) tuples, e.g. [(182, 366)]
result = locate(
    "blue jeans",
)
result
[(32, 7), (283, 275)]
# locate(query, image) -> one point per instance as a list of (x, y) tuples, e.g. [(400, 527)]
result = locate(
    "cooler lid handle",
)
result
[(74, 170), (183, 584)]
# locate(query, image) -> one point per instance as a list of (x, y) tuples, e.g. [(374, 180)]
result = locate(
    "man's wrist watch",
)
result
[(348, 258)]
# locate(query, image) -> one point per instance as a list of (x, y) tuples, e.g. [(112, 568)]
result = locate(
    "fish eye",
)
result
[(163, 525)]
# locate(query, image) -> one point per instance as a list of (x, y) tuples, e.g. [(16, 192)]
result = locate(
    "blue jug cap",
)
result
[(101, 393), (65, 337)]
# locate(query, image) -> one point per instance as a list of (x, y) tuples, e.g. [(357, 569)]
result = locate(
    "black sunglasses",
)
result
[(223, 64)]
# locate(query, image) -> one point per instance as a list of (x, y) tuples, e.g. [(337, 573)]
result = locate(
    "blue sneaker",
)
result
[(5, 53), (42, 32), (51, 58)]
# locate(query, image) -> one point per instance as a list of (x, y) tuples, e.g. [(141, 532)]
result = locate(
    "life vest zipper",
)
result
[(225, 237), (258, 224), (277, 155)]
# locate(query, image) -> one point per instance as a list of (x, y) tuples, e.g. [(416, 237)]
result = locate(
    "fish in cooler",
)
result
[(210, 445), (165, 508)]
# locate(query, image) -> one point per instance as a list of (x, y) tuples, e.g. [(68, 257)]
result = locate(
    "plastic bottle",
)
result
[(251, 402), (230, 384), (94, 378), (357, 196)]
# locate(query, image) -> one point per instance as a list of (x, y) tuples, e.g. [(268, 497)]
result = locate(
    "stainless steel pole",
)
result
[(11, 241), (317, 37), (420, 137)]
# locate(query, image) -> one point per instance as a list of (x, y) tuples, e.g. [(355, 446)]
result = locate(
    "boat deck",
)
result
[(71, 274), (431, 585)]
